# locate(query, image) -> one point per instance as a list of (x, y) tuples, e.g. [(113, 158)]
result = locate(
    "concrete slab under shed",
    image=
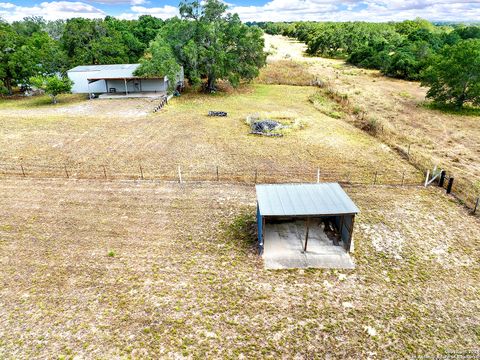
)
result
[(284, 242)]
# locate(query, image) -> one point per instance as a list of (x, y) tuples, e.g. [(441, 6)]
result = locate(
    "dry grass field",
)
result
[(123, 268), (101, 269), (122, 135), (450, 141)]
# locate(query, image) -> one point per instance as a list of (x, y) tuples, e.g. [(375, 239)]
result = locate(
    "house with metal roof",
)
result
[(305, 225), (118, 79)]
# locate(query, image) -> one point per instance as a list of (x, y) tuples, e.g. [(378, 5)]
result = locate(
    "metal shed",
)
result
[(300, 224), (117, 79)]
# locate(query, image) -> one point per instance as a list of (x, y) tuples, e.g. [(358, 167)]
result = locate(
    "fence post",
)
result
[(441, 182), (476, 205), (450, 185), (23, 170), (375, 178), (403, 177), (408, 151), (141, 171), (218, 177), (318, 175), (426, 179), (179, 175), (104, 171), (256, 174), (66, 171)]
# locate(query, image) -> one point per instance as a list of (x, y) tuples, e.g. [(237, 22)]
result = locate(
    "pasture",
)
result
[(103, 264), (105, 269)]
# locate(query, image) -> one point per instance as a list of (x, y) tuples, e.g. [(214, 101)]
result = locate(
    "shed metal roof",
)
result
[(304, 200), (115, 71)]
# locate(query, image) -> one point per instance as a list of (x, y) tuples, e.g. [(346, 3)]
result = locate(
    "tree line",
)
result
[(446, 58), (207, 41)]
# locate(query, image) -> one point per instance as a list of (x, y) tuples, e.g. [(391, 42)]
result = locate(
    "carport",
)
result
[(305, 225)]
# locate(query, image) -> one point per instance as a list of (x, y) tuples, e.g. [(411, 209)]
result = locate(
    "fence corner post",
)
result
[(450, 185), (441, 182)]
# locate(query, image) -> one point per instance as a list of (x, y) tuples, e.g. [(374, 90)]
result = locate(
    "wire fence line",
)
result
[(465, 187), (260, 174)]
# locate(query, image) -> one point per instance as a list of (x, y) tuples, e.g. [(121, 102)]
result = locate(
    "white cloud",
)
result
[(367, 10), (50, 10), (272, 10), (164, 12)]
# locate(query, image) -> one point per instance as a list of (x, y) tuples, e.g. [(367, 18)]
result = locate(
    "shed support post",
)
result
[(126, 89), (342, 220), (350, 236), (306, 235)]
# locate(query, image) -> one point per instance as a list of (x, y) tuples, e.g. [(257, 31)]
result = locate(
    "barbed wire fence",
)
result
[(214, 173), (250, 175)]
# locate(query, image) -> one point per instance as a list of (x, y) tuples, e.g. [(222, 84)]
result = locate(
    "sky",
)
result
[(254, 10)]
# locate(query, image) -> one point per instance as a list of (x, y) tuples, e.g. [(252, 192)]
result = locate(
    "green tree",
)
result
[(213, 45), (9, 40), (52, 85), (454, 75), (159, 61)]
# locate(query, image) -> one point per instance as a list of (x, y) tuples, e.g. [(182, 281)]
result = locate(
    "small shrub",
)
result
[(372, 125), (356, 110), (111, 253)]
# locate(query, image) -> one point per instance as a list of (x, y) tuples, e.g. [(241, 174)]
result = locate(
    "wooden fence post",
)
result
[(179, 175), (66, 171), (441, 182), (218, 177), (427, 177), (141, 171), (256, 174), (450, 185), (403, 177), (23, 170), (476, 205), (104, 171), (408, 151), (375, 178)]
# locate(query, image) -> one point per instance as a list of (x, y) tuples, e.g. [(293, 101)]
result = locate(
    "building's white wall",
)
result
[(80, 83)]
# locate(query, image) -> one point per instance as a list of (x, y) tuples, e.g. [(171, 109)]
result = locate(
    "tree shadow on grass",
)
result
[(242, 231), (451, 109)]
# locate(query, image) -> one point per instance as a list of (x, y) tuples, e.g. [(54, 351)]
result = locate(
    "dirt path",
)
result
[(449, 141)]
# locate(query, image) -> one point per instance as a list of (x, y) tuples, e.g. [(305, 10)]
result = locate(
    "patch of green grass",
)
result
[(405, 95), (326, 106), (111, 253), (39, 101)]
